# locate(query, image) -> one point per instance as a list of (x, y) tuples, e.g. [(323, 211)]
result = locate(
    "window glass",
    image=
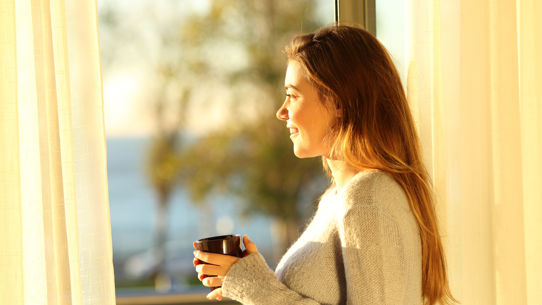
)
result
[(194, 150), (392, 30)]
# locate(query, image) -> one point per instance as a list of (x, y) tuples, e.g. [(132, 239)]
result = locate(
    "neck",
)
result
[(341, 171)]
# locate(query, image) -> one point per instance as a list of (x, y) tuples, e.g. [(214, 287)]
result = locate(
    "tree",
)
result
[(253, 159), (162, 169), (170, 98)]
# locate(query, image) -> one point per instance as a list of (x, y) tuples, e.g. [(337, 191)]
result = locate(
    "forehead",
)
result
[(295, 75)]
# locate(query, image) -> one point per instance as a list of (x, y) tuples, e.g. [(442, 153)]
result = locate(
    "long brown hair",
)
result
[(375, 129)]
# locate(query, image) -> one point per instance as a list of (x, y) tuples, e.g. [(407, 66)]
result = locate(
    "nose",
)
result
[(282, 113)]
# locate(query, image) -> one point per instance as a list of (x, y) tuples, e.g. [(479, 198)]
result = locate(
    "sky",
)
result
[(128, 85), (128, 88)]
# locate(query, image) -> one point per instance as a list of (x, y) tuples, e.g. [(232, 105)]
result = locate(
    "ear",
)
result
[(338, 111), (337, 108), (333, 106)]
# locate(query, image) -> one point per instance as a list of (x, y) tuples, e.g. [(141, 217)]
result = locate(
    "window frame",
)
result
[(361, 12), (358, 12)]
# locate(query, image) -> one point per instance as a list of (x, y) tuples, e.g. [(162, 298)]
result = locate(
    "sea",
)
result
[(133, 205)]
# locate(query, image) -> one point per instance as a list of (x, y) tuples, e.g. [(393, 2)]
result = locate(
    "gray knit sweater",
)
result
[(362, 247)]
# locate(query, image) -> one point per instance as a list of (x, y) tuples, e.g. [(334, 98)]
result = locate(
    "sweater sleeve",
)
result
[(251, 282), (372, 256)]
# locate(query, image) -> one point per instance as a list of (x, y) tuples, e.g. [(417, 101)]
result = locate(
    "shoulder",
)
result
[(377, 189), (375, 206)]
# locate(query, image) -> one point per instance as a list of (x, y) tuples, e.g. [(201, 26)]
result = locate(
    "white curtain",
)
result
[(55, 236), (474, 79)]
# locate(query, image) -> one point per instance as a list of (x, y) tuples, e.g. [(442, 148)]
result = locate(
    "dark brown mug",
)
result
[(223, 244)]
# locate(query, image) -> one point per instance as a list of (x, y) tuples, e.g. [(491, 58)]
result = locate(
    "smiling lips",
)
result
[(293, 131)]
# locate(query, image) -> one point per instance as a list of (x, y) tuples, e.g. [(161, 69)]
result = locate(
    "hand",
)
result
[(216, 266)]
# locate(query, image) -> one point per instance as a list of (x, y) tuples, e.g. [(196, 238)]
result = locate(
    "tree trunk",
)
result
[(161, 279)]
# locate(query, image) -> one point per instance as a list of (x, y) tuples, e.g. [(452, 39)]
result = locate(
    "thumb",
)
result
[(250, 247)]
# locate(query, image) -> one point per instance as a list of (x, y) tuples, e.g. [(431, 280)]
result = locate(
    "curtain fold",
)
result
[(54, 211), (474, 80)]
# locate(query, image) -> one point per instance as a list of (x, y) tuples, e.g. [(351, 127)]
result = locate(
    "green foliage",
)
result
[(252, 159), (162, 166), (256, 163)]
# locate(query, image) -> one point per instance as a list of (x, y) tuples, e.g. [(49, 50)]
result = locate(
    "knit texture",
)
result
[(361, 247)]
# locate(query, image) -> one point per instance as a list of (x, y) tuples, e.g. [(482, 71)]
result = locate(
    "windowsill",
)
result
[(163, 299)]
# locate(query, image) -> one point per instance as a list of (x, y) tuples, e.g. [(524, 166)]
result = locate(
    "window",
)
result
[(187, 85)]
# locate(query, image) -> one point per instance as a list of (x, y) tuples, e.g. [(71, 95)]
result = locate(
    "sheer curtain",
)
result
[(474, 79), (55, 239)]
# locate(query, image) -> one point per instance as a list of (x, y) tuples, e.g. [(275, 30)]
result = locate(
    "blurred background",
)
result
[(190, 90), (193, 146)]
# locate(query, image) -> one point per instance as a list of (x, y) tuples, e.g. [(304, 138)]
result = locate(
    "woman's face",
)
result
[(307, 117)]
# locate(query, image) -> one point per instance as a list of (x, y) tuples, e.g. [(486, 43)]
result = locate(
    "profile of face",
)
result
[(307, 116)]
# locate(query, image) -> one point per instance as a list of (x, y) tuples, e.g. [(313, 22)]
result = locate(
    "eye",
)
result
[(290, 95)]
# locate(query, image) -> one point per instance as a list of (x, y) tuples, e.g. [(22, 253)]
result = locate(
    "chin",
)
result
[(301, 154)]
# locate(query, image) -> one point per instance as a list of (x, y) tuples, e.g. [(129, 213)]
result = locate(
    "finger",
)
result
[(210, 269), (250, 247), (212, 281), (215, 294), (215, 259)]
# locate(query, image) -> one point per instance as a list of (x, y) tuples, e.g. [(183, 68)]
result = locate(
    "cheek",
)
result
[(324, 130), (298, 118), (305, 125)]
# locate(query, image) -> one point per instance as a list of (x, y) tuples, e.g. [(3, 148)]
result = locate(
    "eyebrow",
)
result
[(291, 86)]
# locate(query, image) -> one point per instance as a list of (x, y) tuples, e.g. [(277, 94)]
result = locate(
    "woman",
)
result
[(374, 238)]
